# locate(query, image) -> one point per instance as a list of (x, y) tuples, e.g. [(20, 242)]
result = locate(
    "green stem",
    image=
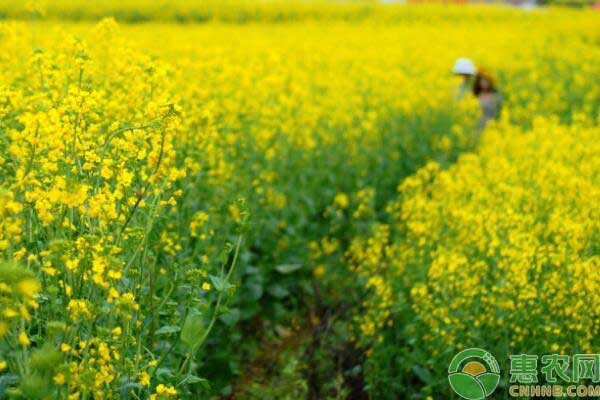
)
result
[(215, 313)]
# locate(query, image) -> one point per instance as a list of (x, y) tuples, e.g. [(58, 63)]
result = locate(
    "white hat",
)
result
[(464, 66)]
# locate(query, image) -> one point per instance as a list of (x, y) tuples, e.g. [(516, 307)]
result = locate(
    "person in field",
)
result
[(484, 88), (465, 69)]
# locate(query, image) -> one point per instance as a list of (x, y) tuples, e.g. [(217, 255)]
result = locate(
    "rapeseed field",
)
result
[(287, 200)]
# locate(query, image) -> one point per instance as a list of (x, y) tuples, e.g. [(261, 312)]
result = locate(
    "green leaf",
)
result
[(191, 379), (288, 268), (165, 374), (193, 329), (127, 388), (6, 381), (167, 329), (423, 374), (254, 290), (231, 317), (218, 283), (278, 291)]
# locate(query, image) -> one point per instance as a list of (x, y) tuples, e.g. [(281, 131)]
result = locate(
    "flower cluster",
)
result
[(498, 251), (88, 168), (18, 290)]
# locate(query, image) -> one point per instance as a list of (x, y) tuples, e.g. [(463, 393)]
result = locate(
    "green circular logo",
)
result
[(474, 374)]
